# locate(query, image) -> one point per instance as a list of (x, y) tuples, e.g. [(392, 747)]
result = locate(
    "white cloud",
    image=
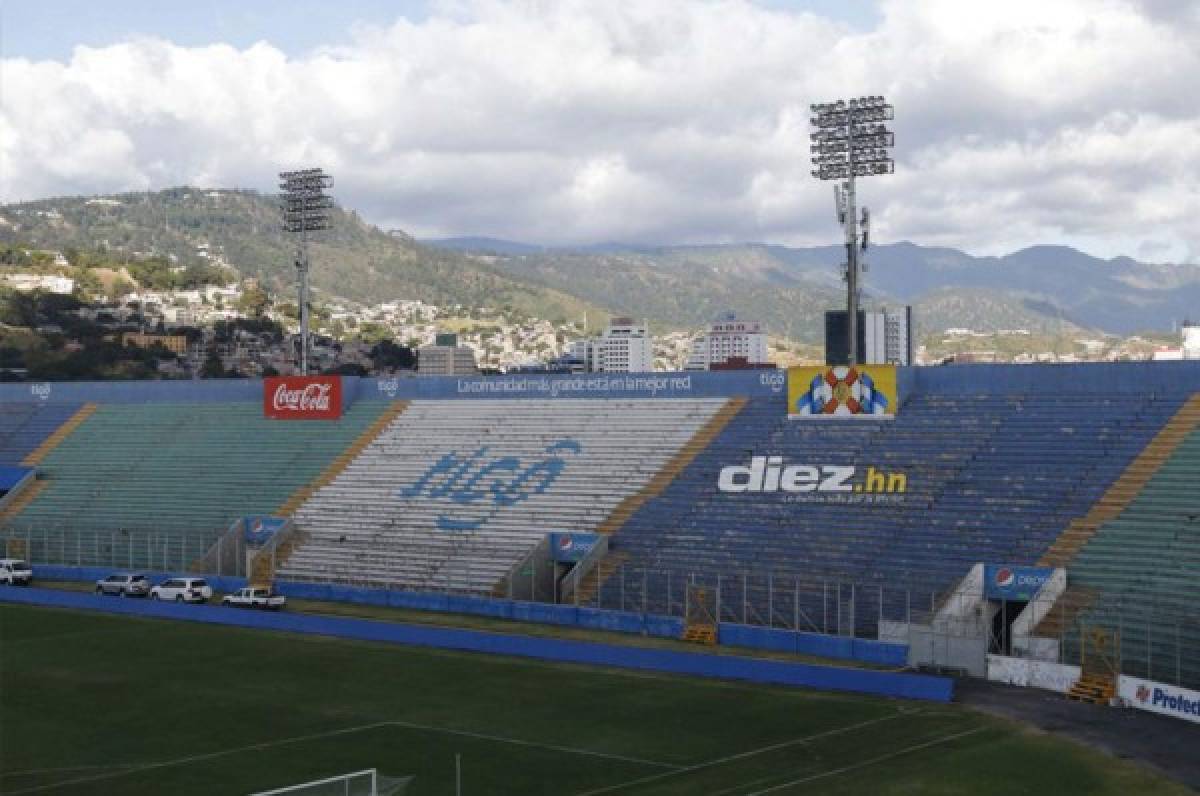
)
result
[(664, 121)]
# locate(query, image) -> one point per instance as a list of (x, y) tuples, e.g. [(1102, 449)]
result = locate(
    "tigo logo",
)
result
[(1005, 578)]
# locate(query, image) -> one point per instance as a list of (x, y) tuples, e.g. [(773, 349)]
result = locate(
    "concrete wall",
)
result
[(1032, 674)]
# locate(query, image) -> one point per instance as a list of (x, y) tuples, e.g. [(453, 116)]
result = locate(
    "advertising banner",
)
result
[(1014, 584), (571, 547), (260, 528), (1169, 700), (842, 391), (303, 397)]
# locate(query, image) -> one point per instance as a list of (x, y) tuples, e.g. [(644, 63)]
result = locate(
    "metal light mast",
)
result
[(850, 139), (306, 208)]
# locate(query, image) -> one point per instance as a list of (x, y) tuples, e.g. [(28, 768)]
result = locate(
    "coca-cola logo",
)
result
[(312, 398), (303, 397)]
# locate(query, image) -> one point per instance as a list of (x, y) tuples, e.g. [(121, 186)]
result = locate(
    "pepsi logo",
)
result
[(1005, 578), (565, 543)]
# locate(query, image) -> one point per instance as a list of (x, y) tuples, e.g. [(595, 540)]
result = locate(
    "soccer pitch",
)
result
[(100, 704)]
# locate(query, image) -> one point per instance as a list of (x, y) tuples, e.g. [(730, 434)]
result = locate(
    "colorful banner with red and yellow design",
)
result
[(842, 390)]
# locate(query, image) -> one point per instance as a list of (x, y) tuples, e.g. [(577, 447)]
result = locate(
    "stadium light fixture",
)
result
[(850, 139), (306, 209)]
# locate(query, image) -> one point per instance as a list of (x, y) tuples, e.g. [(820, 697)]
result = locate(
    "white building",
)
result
[(48, 282), (625, 347), (887, 337), (1191, 340), (728, 338)]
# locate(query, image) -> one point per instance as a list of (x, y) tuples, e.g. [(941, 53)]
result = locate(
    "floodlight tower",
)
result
[(850, 139), (306, 208)]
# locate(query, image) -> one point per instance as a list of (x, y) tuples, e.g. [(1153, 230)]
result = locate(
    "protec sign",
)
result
[(303, 397), (1169, 700)]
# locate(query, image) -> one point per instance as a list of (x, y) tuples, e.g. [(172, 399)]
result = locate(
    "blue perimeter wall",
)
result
[(835, 647), (888, 684), (1099, 378)]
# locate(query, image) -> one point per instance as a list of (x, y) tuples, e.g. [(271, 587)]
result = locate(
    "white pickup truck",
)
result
[(255, 597)]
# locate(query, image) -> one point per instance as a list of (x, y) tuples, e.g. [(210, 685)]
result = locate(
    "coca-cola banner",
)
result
[(303, 397)]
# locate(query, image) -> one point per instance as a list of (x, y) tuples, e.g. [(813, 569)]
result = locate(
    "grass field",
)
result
[(98, 704)]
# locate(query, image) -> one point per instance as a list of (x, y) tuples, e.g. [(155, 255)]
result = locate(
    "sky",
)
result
[(643, 121)]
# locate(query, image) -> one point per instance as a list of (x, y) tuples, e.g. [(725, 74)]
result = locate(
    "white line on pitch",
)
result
[(863, 764), (206, 756), (535, 744), (751, 753)]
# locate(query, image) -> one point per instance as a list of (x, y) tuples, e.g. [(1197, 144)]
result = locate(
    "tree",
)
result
[(254, 301), (388, 356), (212, 368)]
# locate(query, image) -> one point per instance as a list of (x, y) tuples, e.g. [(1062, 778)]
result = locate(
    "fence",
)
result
[(1152, 636), (118, 548)]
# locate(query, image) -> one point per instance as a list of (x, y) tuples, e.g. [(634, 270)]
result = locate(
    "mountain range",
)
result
[(1053, 289)]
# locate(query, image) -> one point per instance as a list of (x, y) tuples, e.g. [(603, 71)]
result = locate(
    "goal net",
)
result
[(358, 783)]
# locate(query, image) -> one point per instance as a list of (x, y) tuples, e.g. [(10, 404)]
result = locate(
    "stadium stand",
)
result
[(449, 488), (1137, 573), (989, 478), (455, 493), (24, 427), (182, 471)]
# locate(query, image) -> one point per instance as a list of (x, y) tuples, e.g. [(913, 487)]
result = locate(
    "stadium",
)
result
[(700, 582)]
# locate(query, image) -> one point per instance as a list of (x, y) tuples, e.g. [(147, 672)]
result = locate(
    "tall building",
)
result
[(446, 358), (1191, 340), (624, 347), (729, 339), (884, 337)]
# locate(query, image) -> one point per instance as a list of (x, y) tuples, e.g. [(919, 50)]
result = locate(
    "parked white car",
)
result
[(124, 584), (255, 597), (190, 590), (15, 572)]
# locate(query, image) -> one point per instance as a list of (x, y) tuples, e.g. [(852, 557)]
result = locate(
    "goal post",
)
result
[(357, 783)]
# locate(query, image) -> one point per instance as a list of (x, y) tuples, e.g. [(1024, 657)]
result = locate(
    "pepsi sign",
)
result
[(1013, 583), (260, 528), (571, 547)]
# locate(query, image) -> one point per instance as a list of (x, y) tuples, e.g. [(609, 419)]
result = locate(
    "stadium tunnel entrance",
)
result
[(1003, 614)]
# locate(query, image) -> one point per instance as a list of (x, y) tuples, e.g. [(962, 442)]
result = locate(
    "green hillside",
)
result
[(354, 260)]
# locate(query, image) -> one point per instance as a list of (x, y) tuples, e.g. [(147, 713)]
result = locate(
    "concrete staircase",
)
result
[(1115, 500), (51, 442), (611, 563), (1096, 689), (22, 499), (1123, 491), (266, 563), (342, 460), (701, 633), (589, 587), (1070, 604), (674, 466)]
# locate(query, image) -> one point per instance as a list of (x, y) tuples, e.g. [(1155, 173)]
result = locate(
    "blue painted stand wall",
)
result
[(851, 649), (834, 647), (889, 684)]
